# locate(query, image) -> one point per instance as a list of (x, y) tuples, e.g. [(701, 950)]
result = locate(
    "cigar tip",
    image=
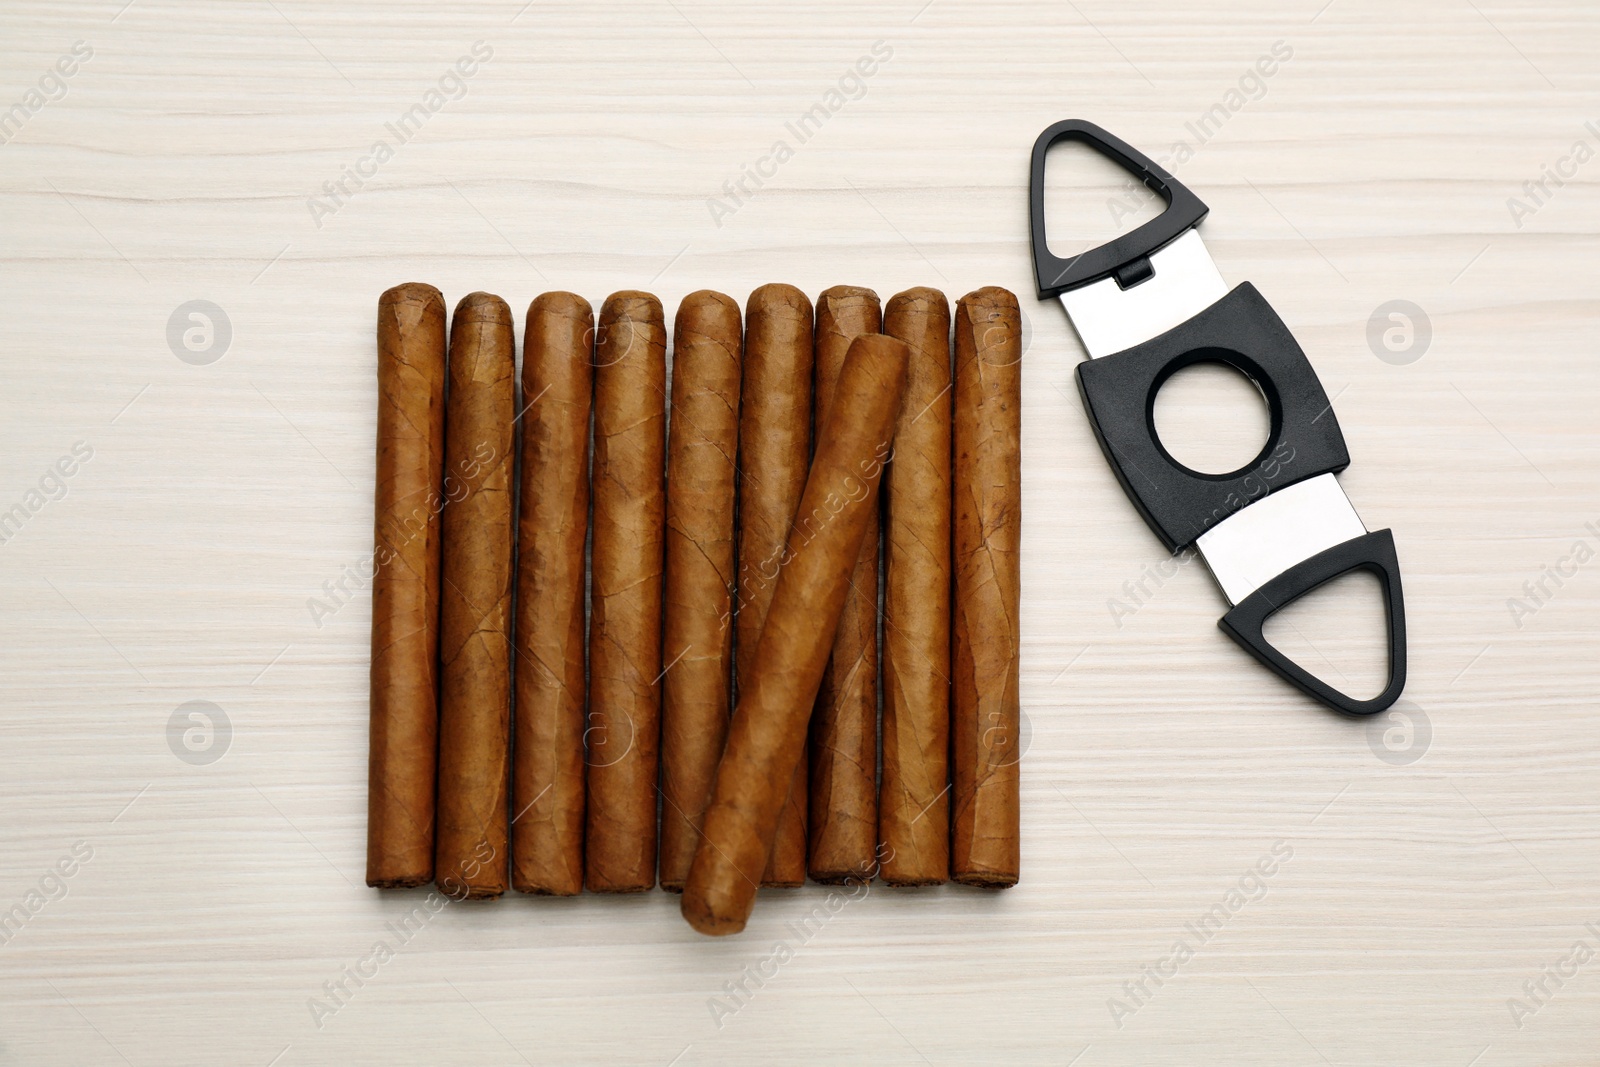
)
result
[(484, 307), (887, 360), (482, 894), (631, 303), (539, 889), (990, 296), (411, 293), (560, 303), (408, 881), (618, 890), (985, 879), (778, 293), (846, 292), (917, 294), (699, 914), (705, 298), (713, 314)]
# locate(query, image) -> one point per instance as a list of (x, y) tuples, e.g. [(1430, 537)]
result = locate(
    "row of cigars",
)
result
[(712, 720)]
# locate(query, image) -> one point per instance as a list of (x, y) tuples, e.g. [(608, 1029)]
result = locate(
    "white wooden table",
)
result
[(216, 889)]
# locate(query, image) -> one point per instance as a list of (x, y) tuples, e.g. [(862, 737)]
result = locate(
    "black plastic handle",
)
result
[(1241, 331), (1372, 552), (1184, 210)]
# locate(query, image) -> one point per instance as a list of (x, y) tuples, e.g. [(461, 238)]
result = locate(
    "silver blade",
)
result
[(1251, 547), (1109, 318)]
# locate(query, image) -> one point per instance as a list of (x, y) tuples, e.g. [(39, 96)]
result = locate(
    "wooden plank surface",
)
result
[(1425, 873)]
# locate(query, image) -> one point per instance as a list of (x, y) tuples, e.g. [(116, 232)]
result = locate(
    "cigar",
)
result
[(697, 636), (547, 772), (768, 731), (405, 587), (843, 798), (774, 452), (913, 804), (475, 602), (985, 845), (625, 594)]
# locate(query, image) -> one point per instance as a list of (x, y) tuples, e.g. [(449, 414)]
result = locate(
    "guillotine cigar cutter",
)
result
[(1150, 303)]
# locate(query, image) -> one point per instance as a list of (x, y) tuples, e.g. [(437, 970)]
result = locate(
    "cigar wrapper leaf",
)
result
[(986, 707), (404, 712), (769, 726)]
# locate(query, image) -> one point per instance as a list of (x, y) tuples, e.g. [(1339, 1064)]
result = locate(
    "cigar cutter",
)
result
[(1152, 302)]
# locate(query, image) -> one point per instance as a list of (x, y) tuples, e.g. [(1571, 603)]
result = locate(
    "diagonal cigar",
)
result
[(985, 721), (768, 731), (405, 587), (697, 636), (843, 795), (475, 608)]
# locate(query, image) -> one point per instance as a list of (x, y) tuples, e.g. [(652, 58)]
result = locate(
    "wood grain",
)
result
[(186, 560)]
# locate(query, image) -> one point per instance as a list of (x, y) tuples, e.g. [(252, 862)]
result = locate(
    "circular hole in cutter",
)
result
[(1211, 416)]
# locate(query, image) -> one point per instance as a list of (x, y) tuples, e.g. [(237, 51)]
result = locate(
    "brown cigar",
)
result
[(475, 602), (986, 847), (405, 587), (914, 805), (774, 452), (697, 638), (628, 479), (547, 773), (843, 798), (768, 731)]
